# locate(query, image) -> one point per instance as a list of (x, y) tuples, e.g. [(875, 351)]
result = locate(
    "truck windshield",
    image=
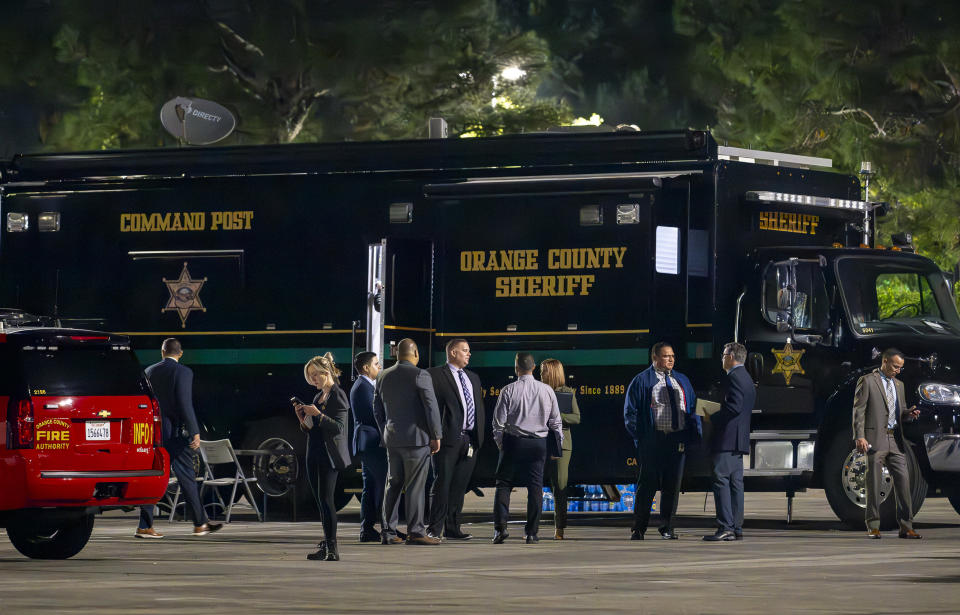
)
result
[(883, 295)]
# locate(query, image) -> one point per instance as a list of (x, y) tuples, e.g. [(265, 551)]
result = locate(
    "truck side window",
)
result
[(811, 306)]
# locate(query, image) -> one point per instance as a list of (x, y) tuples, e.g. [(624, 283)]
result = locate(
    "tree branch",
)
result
[(880, 131)]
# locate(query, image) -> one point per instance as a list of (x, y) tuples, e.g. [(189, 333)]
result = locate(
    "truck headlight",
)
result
[(937, 393)]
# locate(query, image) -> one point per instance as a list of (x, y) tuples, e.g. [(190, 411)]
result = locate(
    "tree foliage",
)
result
[(877, 81)]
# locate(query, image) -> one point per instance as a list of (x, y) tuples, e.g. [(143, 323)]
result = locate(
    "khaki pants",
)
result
[(888, 453)]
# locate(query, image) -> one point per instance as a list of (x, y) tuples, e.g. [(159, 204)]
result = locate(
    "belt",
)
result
[(891, 431)]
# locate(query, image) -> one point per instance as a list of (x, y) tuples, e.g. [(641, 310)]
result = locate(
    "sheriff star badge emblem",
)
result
[(184, 295), (788, 362)]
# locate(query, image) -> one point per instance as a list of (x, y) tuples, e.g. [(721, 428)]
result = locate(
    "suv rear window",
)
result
[(94, 370)]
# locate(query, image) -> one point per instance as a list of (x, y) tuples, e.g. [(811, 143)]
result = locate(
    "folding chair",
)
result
[(220, 452)]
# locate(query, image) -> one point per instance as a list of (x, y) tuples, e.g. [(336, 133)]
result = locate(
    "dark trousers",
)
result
[(661, 468), (454, 470), (323, 483), (407, 468), (182, 460), (728, 490), (887, 452), (374, 462), (521, 464)]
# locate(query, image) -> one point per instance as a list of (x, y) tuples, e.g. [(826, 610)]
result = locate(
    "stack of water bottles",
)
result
[(595, 500)]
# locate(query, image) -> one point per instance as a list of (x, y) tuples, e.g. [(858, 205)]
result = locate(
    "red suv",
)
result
[(81, 435)]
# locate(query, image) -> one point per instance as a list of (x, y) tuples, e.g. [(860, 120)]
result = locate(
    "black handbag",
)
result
[(554, 444)]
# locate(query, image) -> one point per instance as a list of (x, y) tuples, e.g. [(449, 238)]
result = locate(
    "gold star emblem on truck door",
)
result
[(184, 295), (788, 362)]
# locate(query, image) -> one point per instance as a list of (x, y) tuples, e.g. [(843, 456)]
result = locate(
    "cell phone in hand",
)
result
[(296, 401)]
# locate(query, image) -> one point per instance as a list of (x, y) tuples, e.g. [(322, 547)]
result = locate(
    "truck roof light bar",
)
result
[(810, 200), (777, 159)]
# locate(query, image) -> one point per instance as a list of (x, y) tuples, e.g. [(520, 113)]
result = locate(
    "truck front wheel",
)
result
[(50, 540), (844, 481)]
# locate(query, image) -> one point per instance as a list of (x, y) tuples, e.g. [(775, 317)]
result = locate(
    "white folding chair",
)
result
[(220, 452)]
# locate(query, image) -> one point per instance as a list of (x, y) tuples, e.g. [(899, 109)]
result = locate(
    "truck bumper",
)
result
[(23, 485), (943, 451)]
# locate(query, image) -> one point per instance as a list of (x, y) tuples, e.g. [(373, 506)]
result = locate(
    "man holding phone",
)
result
[(879, 412)]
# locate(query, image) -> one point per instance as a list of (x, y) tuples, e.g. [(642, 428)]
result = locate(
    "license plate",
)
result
[(98, 430)]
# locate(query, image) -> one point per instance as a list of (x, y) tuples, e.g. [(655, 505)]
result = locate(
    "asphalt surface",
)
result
[(813, 565)]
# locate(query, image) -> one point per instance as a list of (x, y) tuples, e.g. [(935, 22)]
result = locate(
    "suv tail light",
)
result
[(20, 423), (157, 423)]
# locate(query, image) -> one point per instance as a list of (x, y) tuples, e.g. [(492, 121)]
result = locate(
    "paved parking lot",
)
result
[(813, 565)]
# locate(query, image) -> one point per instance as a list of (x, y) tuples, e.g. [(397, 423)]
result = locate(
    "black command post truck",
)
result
[(587, 248)]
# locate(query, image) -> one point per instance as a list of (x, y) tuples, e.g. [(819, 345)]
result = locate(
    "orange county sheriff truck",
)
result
[(585, 247)]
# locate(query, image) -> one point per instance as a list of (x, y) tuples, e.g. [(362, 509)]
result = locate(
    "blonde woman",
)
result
[(551, 374), (325, 421)]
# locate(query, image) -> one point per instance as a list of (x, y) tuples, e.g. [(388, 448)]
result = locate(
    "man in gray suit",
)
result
[(407, 414), (878, 415)]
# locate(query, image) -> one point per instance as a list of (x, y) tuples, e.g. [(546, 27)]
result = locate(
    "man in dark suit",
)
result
[(731, 441), (172, 384), (879, 412), (405, 408), (460, 398), (366, 444), (659, 413)]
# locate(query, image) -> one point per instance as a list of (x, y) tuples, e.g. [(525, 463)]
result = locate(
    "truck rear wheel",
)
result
[(844, 481), (49, 540)]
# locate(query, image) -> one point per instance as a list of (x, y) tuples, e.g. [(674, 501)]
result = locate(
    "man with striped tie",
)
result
[(460, 398), (879, 411)]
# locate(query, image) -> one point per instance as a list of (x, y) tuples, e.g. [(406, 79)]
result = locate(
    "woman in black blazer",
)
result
[(325, 421)]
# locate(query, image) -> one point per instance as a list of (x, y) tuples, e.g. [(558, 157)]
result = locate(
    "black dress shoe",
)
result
[(636, 535), (370, 536), (739, 535), (457, 535), (721, 536), (499, 536), (320, 553), (668, 534), (401, 535), (532, 539)]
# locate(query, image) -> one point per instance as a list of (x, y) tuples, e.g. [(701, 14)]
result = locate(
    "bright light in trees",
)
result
[(594, 120), (513, 73)]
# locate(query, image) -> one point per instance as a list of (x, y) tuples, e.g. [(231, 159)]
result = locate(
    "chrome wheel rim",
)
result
[(854, 479)]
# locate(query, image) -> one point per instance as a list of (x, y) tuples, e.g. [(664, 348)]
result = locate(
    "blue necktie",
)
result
[(468, 398)]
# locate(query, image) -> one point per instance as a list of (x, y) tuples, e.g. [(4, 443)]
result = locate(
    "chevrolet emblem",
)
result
[(103, 413)]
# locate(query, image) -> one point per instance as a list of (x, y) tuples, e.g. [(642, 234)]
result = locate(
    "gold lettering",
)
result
[(618, 254), (814, 222), (549, 286), (503, 287), (216, 219)]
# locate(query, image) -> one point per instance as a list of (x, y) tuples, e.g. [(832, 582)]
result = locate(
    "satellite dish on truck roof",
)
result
[(196, 121)]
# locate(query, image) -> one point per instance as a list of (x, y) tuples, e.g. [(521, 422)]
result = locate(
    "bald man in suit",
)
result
[(405, 408)]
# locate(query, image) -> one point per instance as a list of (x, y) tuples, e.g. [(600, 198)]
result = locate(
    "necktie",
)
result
[(468, 399), (891, 402), (674, 410)]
